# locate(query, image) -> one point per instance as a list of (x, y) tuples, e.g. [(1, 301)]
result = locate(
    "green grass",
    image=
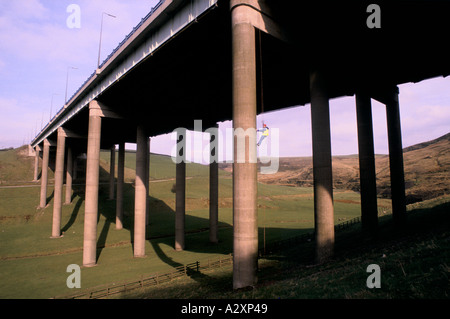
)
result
[(33, 266), (414, 263)]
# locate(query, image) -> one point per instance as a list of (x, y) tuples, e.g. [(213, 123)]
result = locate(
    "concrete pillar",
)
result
[(180, 196), (120, 180), (245, 223), (369, 208), (112, 168), (69, 176), (323, 177), (147, 181), (396, 159), (214, 187), (59, 179), (140, 201), (36, 163), (44, 174), (91, 197)]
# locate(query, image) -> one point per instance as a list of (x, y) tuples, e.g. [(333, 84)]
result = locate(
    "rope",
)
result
[(261, 75)]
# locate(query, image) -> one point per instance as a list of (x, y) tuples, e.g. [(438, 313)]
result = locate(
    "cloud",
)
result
[(37, 47)]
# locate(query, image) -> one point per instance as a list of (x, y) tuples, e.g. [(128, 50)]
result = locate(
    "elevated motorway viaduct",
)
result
[(217, 60)]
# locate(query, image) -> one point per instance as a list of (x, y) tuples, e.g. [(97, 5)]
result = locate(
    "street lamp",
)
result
[(51, 105), (67, 80), (101, 30)]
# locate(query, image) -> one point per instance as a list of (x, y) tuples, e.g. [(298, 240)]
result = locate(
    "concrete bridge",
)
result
[(217, 60)]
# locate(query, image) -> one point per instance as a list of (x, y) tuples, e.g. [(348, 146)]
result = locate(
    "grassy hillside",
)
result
[(15, 167), (427, 171), (34, 266), (414, 263)]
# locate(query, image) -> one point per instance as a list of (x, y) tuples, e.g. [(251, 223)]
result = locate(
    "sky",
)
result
[(38, 50)]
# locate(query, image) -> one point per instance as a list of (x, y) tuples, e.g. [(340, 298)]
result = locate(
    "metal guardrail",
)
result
[(133, 31)]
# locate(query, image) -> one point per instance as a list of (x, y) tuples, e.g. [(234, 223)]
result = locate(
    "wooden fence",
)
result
[(106, 291)]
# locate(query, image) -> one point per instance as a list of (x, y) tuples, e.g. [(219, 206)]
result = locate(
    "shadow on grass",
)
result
[(161, 225)]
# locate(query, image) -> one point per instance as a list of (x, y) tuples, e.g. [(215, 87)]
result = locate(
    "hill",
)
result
[(15, 166), (427, 171)]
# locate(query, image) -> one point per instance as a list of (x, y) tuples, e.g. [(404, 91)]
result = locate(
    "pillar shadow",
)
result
[(101, 241), (193, 273), (161, 228), (50, 197), (74, 214)]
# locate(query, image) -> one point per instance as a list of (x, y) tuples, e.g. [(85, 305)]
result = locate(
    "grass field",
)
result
[(414, 264), (34, 266)]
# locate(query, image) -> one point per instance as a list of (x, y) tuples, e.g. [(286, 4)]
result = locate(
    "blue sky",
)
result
[(37, 48)]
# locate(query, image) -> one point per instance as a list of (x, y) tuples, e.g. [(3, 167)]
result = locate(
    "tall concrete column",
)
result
[(69, 176), (59, 179), (140, 201), (245, 221), (369, 208), (147, 181), (112, 168), (180, 196), (214, 187), (323, 177), (396, 159), (91, 197), (36, 163), (120, 180), (44, 174)]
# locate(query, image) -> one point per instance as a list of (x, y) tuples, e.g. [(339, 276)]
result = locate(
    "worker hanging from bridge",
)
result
[(265, 133)]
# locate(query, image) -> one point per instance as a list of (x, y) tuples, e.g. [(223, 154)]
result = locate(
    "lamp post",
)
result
[(51, 105), (67, 80), (101, 31)]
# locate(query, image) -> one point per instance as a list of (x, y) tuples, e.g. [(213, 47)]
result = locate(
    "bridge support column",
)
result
[(36, 163), (245, 219), (322, 169), (147, 183), (44, 174), (112, 169), (120, 181), (180, 196), (369, 209), (92, 178), (69, 176), (214, 187), (140, 200), (396, 159), (59, 179)]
